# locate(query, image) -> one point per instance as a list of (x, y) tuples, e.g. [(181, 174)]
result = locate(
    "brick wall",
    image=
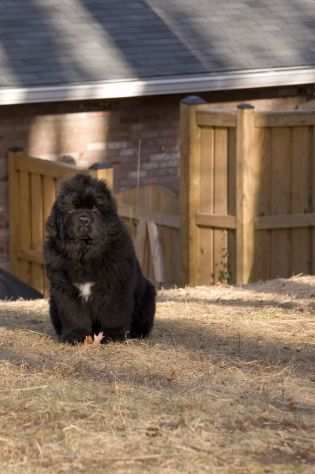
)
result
[(100, 131), (138, 136)]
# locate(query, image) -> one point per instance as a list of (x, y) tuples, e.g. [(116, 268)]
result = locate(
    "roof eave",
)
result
[(246, 79)]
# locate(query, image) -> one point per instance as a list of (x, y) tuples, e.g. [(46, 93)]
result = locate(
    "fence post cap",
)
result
[(193, 100), (245, 106)]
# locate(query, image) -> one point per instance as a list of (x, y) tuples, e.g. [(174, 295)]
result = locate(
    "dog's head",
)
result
[(82, 215)]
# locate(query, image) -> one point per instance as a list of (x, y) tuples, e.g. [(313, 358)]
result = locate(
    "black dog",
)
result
[(96, 284)]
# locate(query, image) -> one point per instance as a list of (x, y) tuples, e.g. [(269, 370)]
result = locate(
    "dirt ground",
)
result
[(226, 384)]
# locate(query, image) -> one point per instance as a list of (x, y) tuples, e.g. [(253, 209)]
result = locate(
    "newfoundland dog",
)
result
[(96, 283)]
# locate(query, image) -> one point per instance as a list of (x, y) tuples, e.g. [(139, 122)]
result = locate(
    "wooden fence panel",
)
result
[(283, 246), (208, 202), (248, 193)]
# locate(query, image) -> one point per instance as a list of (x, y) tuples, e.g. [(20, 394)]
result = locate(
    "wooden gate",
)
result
[(33, 184)]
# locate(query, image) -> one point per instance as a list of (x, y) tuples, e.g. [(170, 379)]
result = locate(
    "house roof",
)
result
[(83, 49)]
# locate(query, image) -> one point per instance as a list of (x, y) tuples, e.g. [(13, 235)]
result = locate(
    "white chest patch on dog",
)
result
[(85, 289)]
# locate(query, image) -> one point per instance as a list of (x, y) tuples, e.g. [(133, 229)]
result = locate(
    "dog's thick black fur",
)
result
[(96, 284)]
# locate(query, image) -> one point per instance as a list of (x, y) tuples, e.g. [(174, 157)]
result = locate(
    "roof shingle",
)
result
[(57, 42)]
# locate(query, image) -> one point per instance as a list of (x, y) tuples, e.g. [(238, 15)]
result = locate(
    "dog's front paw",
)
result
[(75, 336), (114, 335)]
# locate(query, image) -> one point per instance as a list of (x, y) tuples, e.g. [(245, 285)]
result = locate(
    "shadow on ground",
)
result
[(13, 316), (239, 302), (218, 341), (233, 347)]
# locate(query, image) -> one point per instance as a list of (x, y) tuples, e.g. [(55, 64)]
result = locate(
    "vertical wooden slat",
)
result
[(168, 239), (262, 267), (49, 194), (156, 252), (190, 185), (220, 245), (37, 226), (232, 203), (247, 188), (25, 227), (206, 267), (280, 203), (300, 192)]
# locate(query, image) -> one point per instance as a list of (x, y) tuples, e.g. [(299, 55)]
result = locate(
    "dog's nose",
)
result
[(84, 219)]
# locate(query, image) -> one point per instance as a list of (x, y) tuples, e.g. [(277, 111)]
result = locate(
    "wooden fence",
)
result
[(247, 202), (248, 194), (150, 212)]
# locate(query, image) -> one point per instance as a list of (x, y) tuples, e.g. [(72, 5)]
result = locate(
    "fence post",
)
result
[(246, 185), (189, 187)]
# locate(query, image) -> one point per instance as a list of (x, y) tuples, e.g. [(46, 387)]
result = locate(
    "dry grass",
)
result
[(226, 384)]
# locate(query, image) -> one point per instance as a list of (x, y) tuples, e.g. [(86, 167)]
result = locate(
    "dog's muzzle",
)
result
[(80, 225), (84, 225)]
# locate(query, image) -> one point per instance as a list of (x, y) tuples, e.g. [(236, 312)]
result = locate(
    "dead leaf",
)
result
[(94, 340), (98, 338), (88, 340)]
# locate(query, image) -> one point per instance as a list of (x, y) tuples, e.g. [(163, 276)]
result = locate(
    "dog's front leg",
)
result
[(70, 318)]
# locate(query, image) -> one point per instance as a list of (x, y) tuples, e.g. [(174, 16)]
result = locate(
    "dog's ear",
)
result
[(108, 200), (54, 224)]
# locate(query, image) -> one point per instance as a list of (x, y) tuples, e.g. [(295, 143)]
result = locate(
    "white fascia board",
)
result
[(160, 86)]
